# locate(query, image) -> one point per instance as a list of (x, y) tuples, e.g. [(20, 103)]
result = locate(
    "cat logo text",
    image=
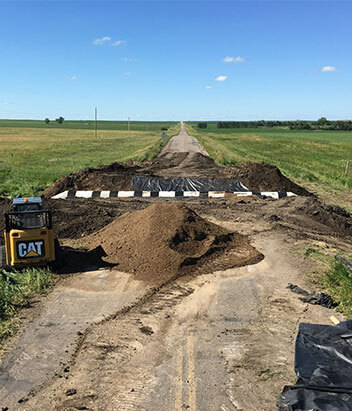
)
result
[(30, 249)]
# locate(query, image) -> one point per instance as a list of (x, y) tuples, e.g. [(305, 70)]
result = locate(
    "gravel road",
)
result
[(184, 143)]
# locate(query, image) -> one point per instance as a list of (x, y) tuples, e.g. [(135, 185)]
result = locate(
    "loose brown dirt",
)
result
[(79, 217), (266, 177), (165, 241), (117, 176), (76, 218)]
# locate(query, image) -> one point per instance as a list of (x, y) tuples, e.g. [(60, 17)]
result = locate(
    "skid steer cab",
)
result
[(29, 237)]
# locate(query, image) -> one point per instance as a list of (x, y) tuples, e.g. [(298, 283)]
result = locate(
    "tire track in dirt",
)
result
[(101, 351)]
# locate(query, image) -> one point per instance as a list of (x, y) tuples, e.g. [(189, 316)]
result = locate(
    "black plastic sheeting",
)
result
[(322, 299), (202, 185), (323, 364)]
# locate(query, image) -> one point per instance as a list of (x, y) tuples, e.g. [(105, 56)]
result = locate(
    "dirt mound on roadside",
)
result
[(170, 165), (311, 215), (115, 176), (266, 177), (75, 218), (118, 176), (164, 241)]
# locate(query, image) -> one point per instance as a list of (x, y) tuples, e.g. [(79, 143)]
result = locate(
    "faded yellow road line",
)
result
[(178, 382), (189, 389), (192, 394)]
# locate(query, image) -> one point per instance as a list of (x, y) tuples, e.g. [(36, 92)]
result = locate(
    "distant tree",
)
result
[(46, 121), (202, 125), (322, 121), (164, 128), (60, 120)]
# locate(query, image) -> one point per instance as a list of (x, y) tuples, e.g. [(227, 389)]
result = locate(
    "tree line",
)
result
[(321, 124)]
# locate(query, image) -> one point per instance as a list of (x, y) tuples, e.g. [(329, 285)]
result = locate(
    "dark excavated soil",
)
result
[(117, 176), (164, 241), (80, 217), (266, 177)]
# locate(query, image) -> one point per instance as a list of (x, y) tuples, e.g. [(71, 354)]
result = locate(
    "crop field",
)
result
[(88, 125), (314, 159), (33, 158)]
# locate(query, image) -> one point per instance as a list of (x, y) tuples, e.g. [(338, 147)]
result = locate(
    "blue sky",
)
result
[(164, 60)]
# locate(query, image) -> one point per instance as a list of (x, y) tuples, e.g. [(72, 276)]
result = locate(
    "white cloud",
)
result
[(101, 41), (6, 103), (221, 78), (127, 73), (74, 78), (237, 59), (128, 59), (328, 68), (208, 87), (118, 43)]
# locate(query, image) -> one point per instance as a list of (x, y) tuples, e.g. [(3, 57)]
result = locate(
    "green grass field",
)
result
[(32, 158), (315, 159), (88, 125)]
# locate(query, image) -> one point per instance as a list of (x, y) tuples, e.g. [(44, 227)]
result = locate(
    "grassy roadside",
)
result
[(314, 159), (31, 159), (336, 279), (338, 283), (16, 291)]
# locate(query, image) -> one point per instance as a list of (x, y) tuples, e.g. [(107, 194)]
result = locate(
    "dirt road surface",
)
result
[(50, 339), (223, 341), (184, 143)]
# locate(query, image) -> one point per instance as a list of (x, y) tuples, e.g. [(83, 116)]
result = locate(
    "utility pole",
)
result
[(95, 123), (129, 124)]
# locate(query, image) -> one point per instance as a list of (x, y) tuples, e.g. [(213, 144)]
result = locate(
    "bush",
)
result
[(202, 125)]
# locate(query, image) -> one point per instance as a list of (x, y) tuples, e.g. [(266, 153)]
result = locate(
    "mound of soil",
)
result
[(165, 241), (312, 215), (80, 217), (117, 176), (266, 177)]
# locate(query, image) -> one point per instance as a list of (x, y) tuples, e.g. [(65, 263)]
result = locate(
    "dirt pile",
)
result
[(117, 176), (164, 241), (80, 217), (312, 215), (266, 177)]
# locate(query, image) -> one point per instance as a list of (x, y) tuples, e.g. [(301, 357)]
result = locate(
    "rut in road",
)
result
[(101, 371)]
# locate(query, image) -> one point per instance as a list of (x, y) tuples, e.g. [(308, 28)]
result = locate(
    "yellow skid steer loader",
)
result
[(28, 235)]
